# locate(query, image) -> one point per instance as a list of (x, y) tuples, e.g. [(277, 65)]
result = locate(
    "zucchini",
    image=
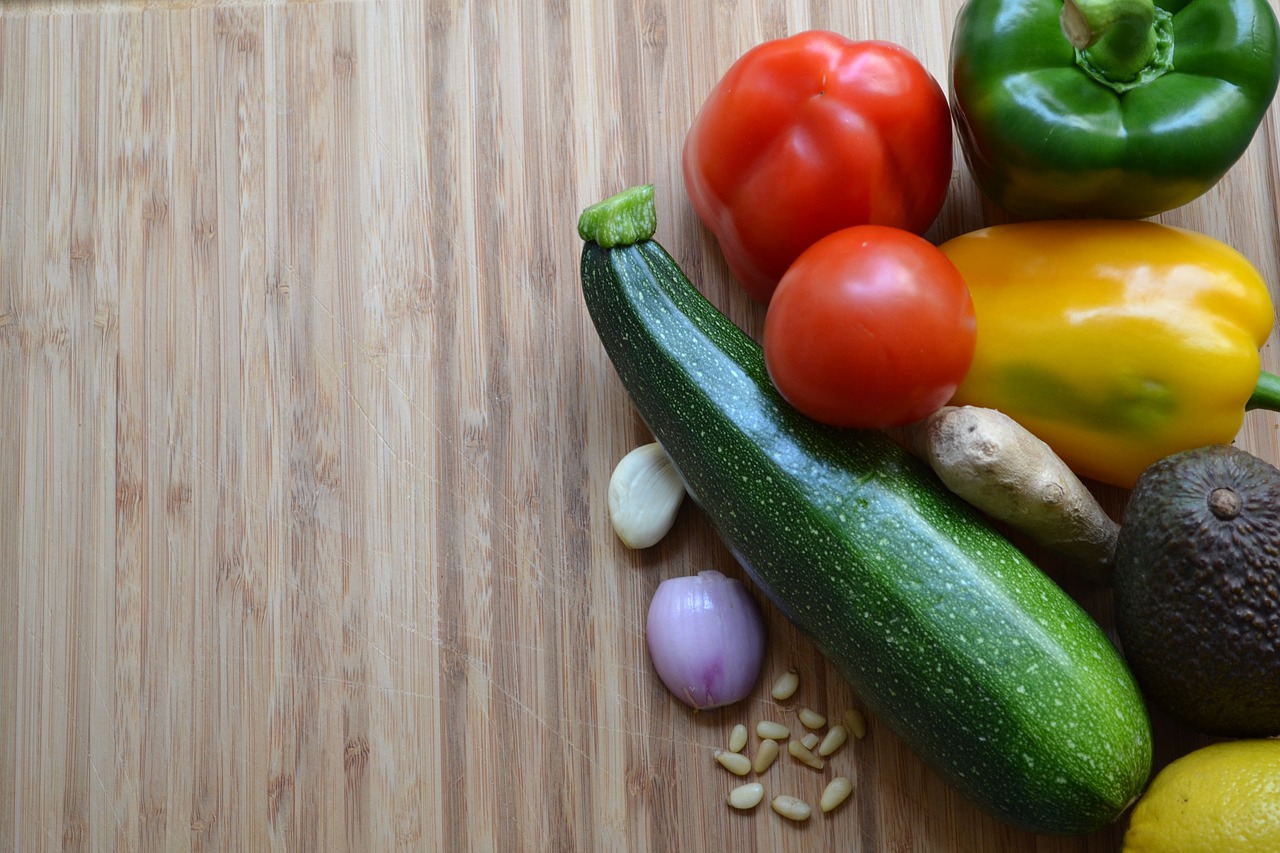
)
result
[(952, 637)]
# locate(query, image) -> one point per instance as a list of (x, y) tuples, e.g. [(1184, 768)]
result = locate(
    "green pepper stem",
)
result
[(1118, 37), (1267, 393)]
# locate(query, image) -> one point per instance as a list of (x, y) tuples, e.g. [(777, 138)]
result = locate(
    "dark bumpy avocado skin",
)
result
[(1197, 590)]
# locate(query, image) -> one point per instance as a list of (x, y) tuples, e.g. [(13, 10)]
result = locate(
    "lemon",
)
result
[(1223, 798)]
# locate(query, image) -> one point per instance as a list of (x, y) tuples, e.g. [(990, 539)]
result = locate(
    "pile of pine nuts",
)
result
[(812, 748)]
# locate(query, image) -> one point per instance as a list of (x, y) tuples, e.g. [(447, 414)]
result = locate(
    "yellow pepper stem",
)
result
[(1267, 393)]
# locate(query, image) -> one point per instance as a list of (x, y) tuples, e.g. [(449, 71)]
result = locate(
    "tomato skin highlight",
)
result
[(809, 134), (872, 327)]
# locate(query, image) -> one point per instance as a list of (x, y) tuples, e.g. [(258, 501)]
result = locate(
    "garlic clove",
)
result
[(645, 492)]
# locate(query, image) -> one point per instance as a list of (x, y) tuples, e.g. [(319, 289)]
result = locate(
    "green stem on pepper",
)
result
[(1267, 393), (1116, 40)]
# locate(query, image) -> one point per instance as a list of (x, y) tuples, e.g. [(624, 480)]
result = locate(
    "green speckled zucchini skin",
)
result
[(951, 636)]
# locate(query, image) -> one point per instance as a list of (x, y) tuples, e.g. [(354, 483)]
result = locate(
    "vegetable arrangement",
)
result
[(1019, 359), (952, 636)]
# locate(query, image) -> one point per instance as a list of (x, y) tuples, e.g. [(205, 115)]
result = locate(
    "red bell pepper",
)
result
[(813, 133)]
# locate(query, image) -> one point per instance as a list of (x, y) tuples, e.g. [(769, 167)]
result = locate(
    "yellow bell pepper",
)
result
[(1117, 343)]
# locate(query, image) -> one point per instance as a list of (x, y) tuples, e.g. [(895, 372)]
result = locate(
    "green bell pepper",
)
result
[(1108, 108)]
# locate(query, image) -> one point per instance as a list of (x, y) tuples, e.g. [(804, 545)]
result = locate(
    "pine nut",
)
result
[(835, 739), (746, 796), (855, 723), (804, 756), (836, 792), (791, 808), (765, 755), (810, 741), (812, 719), (772, 731), (738, 738), (735, 762), (786, 685)]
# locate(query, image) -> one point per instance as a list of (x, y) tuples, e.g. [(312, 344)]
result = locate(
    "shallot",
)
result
[(706, 638)]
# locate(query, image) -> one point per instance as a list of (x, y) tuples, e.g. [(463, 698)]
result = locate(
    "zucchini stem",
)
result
[(620, 220)]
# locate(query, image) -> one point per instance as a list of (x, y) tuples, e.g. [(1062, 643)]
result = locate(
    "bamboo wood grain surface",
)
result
[(305, 434)]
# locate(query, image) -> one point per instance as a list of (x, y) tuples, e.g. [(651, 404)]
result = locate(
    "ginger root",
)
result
[(1005, 471)]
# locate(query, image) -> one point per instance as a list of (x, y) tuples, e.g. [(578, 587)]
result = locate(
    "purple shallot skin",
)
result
[(706, 638)]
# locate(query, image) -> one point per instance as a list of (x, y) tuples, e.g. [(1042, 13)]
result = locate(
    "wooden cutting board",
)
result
[(305, 434)]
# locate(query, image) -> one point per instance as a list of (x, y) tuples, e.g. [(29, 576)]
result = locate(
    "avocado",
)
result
[(1197, 590)]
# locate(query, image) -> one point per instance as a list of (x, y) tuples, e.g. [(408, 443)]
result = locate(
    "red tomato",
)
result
[(809, 134), (871, 327)]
